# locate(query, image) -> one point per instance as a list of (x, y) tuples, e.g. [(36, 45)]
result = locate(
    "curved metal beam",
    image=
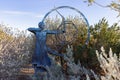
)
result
[(87, 23)]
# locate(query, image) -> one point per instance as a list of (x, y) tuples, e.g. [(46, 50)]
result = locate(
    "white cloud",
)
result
[(39, 16), (15, 12), (21, 13)]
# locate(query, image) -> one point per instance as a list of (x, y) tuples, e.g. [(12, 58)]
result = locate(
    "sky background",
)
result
[(22, 14)]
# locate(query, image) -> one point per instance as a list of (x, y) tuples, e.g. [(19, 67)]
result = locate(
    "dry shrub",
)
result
[(74, 71), (15, 54), (110, 64)]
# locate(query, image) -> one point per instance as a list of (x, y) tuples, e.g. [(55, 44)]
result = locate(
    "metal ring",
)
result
[(87, 23)]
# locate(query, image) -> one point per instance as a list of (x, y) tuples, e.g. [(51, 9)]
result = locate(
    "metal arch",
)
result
[(87, 23)]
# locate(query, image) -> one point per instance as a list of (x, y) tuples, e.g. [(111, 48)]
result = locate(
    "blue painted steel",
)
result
[(40, 57), (69, 7)]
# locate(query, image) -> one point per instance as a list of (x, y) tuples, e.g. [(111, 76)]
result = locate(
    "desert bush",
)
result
[(16, 51), (101, 35), (14, 54), (3, 33), (106, 36), (110, 64), (73, 72)]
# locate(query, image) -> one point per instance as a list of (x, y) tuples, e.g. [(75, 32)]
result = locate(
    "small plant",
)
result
[(74, 71), (110, 64), (15, 53)]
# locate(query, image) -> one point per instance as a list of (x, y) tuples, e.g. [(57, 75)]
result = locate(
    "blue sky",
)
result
[(22, 14)]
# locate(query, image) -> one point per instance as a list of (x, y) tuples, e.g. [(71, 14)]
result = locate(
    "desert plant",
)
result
[(74, 71), (110, 64), (101, 35), (105, 35), (14, 54)]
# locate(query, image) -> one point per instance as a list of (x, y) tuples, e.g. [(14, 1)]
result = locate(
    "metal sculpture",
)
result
[(40, 58), (63, 26)]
